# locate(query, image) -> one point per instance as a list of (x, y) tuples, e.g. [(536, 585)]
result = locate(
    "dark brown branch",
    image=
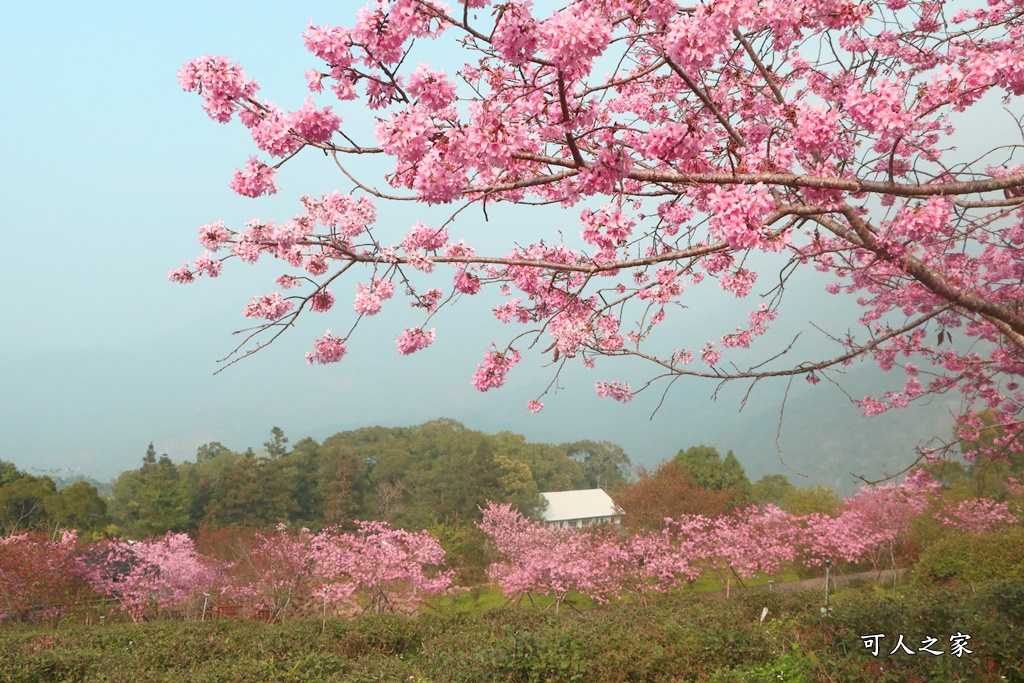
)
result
[(526, 182), (802, 369), (588, 268), (930, 278), (569, 139), (990, 203), (795, 181), (712, 107), (765, 74)]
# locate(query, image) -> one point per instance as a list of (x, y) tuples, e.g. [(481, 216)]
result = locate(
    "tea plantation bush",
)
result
[(677, 638), (973, 558)]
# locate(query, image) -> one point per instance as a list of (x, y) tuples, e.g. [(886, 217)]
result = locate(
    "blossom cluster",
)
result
[(491, 373)]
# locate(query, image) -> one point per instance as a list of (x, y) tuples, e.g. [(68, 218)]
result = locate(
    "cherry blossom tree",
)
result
[(657, 564), (389, 569), (872, 524), (978, 516), (603, 563), (393, 568), (753, 541), (698, 147), (535, 558), (161, 573), (277, 571), (600, 562)]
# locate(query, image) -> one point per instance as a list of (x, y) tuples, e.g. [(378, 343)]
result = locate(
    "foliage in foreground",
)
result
[(679, 638), (973, 558)]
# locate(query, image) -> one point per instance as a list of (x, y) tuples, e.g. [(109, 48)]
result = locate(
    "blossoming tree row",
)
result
[(378, 568), (600, 562), (375, 568)]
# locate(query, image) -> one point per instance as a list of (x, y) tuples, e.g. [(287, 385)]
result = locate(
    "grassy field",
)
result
[(487, 597)]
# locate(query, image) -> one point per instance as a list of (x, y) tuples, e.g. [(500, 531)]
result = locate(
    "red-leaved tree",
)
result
[(669, 491), (39, 576), (699, 149)]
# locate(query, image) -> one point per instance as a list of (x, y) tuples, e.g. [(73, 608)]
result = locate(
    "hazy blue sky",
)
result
[(110, 168)]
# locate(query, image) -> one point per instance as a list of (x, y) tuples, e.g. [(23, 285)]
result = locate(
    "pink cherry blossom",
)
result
[(164, 573), (423, 237), (736, 215), (213, 236), (432, 88), (313, 125), (322, 300), (572, 38), (182, 275), (413, 340), (516, 35), (270, 306), (254, 180), (978, 516), (371, 297), (491, 373), (220, 83), (271, 131), (208, 266), (467, 282), (620, 391), (327, 349)]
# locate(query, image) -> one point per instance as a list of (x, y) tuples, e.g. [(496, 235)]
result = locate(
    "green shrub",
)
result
[(973, 558)]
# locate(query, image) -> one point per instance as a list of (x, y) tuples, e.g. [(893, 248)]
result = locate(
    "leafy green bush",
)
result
[(973, 558)]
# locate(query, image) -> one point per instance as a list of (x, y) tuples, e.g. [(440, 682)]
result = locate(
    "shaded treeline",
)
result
[(411, 477)]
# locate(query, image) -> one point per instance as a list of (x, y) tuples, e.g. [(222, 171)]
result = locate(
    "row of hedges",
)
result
[(678, 638)]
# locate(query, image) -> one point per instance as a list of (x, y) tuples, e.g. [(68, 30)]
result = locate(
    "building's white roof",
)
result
[(584, 504)]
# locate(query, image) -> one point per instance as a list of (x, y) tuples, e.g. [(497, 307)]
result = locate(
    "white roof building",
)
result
[(581, 508)]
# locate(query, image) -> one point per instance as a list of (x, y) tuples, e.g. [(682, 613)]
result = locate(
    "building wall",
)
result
[(580, 523)]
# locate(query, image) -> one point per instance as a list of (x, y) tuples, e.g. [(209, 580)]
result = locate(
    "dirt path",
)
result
[(886, 576)]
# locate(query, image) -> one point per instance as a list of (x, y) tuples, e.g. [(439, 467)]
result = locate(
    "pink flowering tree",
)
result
[(621, 566), (755, 540), (658, 561), (147, 578), (278, 571), (535, 559), (978, 516), (700, 150), (601, 563), (872, 524), (848, 537), (391, 569), (376, 568)]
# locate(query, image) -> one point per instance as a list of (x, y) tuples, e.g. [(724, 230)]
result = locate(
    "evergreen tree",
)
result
[(709, 471), (605, 465)]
